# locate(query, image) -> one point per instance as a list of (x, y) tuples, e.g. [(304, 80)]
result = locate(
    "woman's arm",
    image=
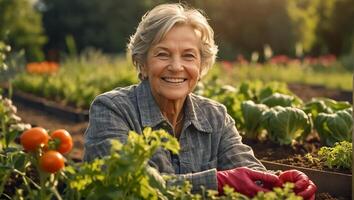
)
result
[(106, 123)]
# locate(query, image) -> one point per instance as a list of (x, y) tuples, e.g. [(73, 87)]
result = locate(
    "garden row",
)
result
[(77, 80)]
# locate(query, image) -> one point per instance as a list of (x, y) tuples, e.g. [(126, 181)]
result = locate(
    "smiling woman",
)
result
[(172, 49), (173, 64)]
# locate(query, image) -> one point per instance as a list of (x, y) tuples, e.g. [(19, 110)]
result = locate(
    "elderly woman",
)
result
[(173, 47)]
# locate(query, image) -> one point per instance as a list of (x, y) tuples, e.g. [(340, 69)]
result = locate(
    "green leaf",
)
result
[(334, 127), (286, 124), (252, 115)]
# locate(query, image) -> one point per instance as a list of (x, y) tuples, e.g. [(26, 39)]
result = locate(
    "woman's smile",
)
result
[(174, 80)]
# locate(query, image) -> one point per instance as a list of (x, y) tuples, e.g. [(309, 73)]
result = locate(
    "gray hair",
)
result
[(157, 22)]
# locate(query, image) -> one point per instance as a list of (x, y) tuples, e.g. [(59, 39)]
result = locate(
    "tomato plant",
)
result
[(51, 161), (34, 138), (65, 142)]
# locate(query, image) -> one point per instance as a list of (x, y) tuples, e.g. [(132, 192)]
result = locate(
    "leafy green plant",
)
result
[(79, 79), (125, 173), (252, 115), (284, 100), (324, 105), (284, 125), (335, 127), (339, 156), (279, 193)]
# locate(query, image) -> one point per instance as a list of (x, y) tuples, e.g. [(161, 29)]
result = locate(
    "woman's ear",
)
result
[(143, 72)]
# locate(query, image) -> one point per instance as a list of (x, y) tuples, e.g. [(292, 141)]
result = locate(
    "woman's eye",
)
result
[(189, 56), (162, 55)]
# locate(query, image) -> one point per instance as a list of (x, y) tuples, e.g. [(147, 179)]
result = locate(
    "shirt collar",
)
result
[(151, 115), (195, 115)]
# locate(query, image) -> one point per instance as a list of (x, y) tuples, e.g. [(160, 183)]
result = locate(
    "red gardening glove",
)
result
[(243, 180), (303, 185)]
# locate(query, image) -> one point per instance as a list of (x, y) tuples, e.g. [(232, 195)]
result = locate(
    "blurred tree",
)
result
[(305, 19), (325, 12), (21, 28), (336, 29), (245, 26), (101, 24), (241, 27)]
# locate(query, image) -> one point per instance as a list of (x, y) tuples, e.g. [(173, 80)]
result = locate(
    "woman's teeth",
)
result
[(174, 80)]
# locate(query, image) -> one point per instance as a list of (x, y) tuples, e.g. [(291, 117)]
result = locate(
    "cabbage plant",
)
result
[(252, 115), (286, 124), (335, 127), (324, 105), (284, 100)]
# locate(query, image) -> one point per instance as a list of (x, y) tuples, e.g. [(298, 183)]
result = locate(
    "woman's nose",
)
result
[(176, 64)]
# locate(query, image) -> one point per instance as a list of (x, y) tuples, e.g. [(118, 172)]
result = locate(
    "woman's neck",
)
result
[(172, 110)]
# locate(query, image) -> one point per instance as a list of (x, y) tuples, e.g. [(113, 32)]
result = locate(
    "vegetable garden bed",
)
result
[(51, 107), (272, 155)]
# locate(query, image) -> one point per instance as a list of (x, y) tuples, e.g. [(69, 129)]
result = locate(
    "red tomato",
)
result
[(51, 161), (34, 138), (65, 140)]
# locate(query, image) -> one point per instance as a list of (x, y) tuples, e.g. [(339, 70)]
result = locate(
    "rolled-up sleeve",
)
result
[(105, 123)]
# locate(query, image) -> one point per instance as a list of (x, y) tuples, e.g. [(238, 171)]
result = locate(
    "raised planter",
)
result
[(336, 184), (51, 107)]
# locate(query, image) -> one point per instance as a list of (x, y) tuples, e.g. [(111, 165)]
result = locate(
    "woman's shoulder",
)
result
[(117, 96), (119, 92)]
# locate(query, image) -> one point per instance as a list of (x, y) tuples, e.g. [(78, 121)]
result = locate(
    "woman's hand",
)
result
[(244, 180), (303, 185)]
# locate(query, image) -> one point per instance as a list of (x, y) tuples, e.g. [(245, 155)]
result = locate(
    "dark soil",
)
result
[(306, 92), (292, 155)]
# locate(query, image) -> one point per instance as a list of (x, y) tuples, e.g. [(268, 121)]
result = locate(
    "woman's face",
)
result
[(173, 64)]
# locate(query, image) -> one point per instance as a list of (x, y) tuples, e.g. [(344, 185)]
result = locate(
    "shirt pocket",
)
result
[(209, 165)]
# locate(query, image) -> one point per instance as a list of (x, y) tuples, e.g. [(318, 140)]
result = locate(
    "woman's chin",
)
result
[(174, 95)]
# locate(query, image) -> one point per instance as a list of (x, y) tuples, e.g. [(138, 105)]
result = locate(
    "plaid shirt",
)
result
[(209, 140)]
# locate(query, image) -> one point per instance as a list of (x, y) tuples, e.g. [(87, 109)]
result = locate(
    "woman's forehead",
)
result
[(183, 36)]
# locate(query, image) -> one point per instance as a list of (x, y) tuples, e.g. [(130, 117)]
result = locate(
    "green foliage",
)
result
[(10, 124), (305, 19), (335, 22), (13, 162), (339, 156), (286, 124), (323, 105), (79, 79), (21, 27), (4, 49), (279, 193), (100, 24), (125, 173), (335, 127), (252, 115), (293, 73), (284, 100), (257, 23)]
